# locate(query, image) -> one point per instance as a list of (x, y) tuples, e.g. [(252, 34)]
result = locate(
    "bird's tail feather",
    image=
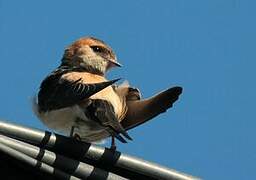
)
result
[(140, 111)]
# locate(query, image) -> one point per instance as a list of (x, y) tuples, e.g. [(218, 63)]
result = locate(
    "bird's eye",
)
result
[(97, 49)]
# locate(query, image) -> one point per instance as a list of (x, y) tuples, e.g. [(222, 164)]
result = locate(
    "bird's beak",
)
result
[(114, 63)]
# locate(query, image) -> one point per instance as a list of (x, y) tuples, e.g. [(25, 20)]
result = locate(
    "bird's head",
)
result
[(90, 54)]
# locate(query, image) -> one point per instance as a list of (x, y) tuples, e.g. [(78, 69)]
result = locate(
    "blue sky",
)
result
[(207, 47)]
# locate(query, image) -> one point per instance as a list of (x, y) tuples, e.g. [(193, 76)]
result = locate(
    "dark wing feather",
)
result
[(56, 93), (103, 112)]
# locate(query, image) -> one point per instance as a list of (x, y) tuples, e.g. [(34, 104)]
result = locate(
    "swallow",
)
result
[(77, 99)]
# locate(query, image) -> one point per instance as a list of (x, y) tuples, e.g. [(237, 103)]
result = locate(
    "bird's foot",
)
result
[(113, 144), (113, 147), (76, 137)]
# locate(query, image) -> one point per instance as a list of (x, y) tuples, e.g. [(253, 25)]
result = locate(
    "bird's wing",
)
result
[(57, 92), (140, 111), (103, 112)]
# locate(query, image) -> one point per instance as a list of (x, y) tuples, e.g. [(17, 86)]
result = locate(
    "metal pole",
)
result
[(83, 151), (73, 167), (33, 162)]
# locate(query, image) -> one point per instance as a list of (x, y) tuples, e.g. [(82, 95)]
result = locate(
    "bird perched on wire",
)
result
[(76, 98)]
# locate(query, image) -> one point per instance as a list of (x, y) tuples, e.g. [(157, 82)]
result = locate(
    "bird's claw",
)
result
[(76, 137)]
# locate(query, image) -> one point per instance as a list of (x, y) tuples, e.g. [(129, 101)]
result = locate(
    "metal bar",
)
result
[(139, 165), (73, 167), (82, 151), (35, 163)]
